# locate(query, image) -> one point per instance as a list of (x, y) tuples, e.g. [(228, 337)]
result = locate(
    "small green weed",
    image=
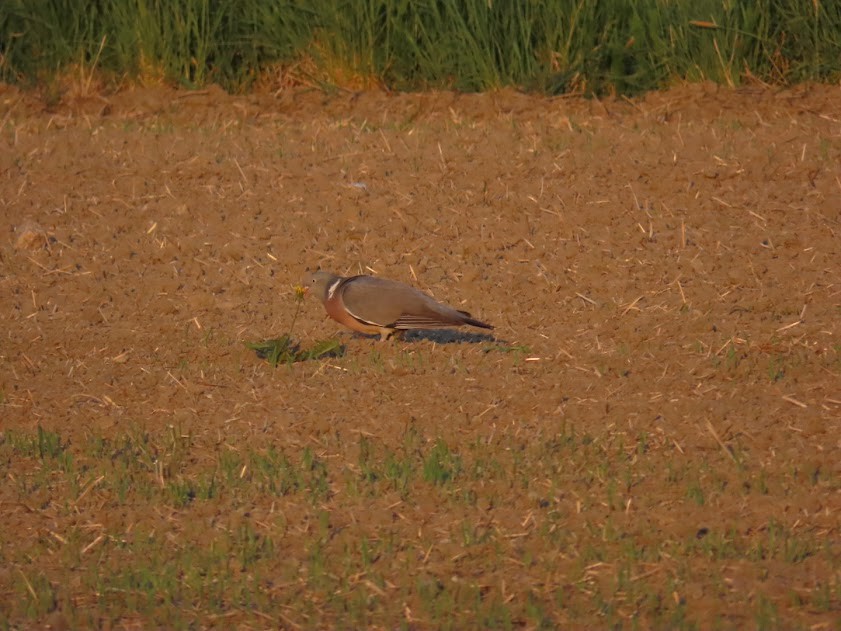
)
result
[(284, 350), (441, 465), (776, 368)]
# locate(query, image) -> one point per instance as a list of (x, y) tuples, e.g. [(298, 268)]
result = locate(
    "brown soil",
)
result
[(651, 437)]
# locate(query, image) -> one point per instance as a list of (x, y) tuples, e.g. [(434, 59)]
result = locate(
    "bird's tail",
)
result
[(468, 319)]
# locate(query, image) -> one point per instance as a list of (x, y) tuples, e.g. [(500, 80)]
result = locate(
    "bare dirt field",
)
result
[(649, 439)]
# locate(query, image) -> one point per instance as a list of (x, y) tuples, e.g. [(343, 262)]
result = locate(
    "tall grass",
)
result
[(623, 46)]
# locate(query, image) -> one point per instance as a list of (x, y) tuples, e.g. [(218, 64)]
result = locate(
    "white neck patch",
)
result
[(331, 289)]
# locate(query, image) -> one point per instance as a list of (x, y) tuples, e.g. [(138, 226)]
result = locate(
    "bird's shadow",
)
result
[(438, 336), (446, 336)]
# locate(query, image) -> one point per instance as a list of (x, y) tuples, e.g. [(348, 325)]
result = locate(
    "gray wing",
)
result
[(396, 305)]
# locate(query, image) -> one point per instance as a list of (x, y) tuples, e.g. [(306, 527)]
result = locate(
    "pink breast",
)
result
[(336, 310)]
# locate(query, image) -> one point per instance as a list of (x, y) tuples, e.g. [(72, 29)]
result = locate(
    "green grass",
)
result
[(554, 47), (284, 350), (44, 444), (264, 535), (441, 466)]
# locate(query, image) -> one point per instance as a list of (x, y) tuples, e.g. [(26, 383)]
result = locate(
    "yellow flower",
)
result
[(300, 292)]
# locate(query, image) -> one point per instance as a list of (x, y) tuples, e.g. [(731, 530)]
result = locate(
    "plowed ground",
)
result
[(649, 439)]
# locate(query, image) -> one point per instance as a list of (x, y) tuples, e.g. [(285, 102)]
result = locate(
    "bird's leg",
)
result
[(386, 334)]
